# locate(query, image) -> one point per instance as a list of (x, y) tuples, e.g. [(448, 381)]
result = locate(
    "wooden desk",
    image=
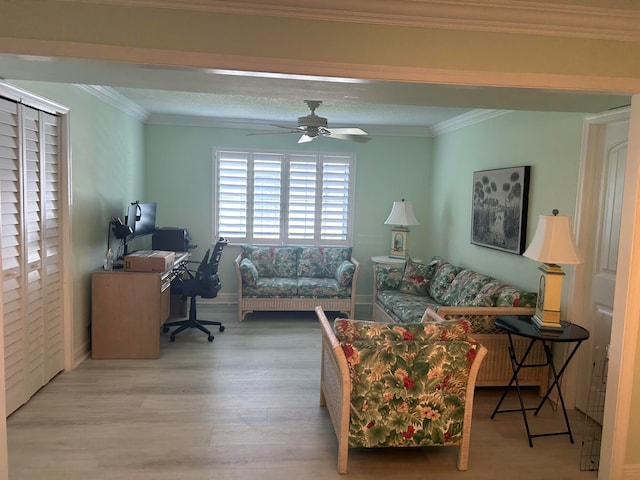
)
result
[(128, 310)]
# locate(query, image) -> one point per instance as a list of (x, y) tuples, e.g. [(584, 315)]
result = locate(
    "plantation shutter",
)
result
[(302, 198), (30, 244), (232, 188)]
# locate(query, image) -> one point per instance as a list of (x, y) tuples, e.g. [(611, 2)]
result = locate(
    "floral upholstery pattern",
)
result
[(321, 262), (449, 286), (321, 288), (249, 272), (292, 272), (344, 273), (442, 279), (272, 287), (407, 393), (348, 330), (388, 277)]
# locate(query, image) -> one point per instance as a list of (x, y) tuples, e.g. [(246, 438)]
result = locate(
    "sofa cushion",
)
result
[(464, 288), (512, 297), (388, 277), (404, 307), (445, 274), (248, 272), (321, 262), (322, 288), (415, 279), (272, 287), (273, 261), (349, 330), (344, 273)]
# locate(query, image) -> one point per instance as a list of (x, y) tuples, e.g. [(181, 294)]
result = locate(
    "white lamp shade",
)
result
[(553, 242), (402, 214)]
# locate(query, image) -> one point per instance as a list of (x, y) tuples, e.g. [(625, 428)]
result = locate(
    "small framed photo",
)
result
[(499, 209)]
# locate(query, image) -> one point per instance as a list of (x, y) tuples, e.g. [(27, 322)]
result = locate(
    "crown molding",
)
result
[(115, 99), (466, 120), (506, 16)]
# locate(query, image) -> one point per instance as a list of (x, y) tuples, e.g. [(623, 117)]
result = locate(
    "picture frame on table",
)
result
[(499, 208)]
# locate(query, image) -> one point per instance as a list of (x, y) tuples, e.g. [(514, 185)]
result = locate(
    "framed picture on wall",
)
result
[(499, 209)]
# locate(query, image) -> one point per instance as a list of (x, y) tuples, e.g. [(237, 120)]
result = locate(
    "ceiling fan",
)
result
[(312, 126)]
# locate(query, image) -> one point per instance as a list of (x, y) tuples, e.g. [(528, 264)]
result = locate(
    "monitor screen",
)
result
[(141, 217)]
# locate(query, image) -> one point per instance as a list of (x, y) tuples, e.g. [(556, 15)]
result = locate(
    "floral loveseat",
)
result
[(296, 278), (403, 293), (391, 385)]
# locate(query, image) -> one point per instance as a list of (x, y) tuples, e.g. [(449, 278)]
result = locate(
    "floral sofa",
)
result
[(392, 385), (402, 294), (296, 278)]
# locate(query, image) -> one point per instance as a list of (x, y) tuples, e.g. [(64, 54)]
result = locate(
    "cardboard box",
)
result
[(149, 261)]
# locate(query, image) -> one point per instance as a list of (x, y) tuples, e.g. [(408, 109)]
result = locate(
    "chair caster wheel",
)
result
[(172, 339), (210, 338), (222, 328), (165, 329)]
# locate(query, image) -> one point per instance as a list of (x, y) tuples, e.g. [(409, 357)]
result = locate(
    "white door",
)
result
[(601, 217)]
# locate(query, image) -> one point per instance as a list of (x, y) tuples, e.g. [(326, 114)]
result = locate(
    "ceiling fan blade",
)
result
[(353, 138), (305, 138), (272, 133), (347, 131)]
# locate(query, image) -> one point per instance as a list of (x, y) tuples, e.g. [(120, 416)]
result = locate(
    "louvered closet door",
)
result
[(30, 250)]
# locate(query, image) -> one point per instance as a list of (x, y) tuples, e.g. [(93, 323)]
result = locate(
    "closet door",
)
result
[(31, 274)]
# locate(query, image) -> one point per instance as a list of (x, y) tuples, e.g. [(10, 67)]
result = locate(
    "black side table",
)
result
[(523, 326)]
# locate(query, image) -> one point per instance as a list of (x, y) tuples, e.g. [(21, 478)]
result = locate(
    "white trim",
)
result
[(466, 120), (22, 96), (522, 17), (115, 99)]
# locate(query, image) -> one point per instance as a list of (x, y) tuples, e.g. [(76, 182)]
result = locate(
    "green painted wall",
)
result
[(179, 177), (107, 154), (549, 142)]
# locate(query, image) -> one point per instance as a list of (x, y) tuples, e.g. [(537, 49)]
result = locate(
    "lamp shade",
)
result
[(401, 214), (553, 242)]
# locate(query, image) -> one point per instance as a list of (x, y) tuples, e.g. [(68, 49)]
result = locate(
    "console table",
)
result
[(523, 326), (128, 310)]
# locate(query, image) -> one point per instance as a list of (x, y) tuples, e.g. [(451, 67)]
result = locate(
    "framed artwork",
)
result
[(499, 209)]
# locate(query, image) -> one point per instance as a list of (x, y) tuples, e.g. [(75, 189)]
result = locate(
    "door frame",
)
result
[(626, 308)]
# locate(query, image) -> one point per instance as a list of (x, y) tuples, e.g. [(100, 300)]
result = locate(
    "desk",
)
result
[(128, 310), (524, 327)]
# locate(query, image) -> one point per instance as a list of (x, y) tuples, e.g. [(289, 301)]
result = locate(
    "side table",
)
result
[(387, 260), (523, 326)]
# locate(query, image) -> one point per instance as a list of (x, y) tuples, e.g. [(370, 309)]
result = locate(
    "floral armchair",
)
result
[(391, 385)]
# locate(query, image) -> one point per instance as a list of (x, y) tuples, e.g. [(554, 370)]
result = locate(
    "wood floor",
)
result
[(246, 407)]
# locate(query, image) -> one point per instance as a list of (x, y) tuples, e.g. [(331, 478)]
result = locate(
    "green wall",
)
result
[(549, 142), (179, 177), (107, 153)]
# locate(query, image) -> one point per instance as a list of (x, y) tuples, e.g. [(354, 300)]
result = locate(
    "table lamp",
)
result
[(552, 245), (401, 216)]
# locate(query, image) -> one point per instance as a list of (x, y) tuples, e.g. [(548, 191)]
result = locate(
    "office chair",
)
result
[(205, 283)]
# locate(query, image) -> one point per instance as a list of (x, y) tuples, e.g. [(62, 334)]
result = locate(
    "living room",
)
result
[(162, 162)]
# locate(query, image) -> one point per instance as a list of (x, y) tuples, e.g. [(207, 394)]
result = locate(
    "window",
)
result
[(283, 198)]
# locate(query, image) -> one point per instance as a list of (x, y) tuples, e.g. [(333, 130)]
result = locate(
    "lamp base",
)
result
[(542, 325), (399, 238)]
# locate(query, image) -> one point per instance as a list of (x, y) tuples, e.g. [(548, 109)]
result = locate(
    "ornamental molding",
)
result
[(503, 16)]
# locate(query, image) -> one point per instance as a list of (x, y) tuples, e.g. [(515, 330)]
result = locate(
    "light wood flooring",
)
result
[(246, 407)]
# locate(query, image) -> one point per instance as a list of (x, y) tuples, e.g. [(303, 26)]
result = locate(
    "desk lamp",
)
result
[(401, 216), (552, 245)]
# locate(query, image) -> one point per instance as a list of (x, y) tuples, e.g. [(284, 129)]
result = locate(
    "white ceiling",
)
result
[(255, 101)]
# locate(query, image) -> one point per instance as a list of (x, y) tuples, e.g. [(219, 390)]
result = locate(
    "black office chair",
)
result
[(205, 283)]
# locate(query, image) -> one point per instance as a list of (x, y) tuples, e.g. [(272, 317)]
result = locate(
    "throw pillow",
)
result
[(415, 280), (248, 272), (344, 273)]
